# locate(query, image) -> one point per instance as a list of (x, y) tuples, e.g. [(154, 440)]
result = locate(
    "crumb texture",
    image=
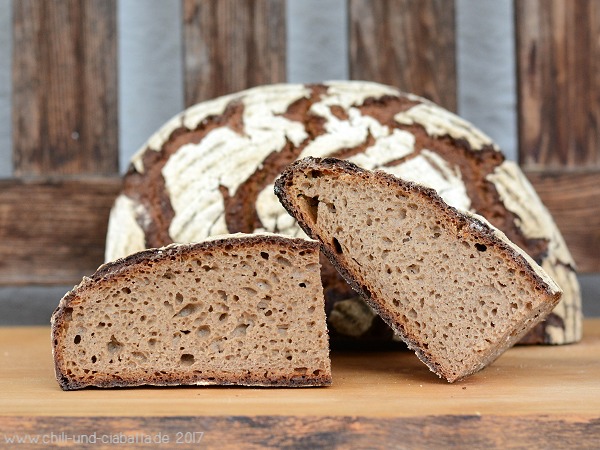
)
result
[(226, 313), (457, 295)]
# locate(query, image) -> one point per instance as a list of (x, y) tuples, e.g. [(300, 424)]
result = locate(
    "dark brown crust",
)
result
[(283, 190), (111, 270), (148, 188), (240, 209), (165, 380), (177, 250)]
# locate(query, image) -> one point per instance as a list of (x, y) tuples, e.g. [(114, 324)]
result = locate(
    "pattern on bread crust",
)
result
[(210, 170)]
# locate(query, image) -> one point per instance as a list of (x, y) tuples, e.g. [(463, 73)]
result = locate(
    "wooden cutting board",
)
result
[(532, 397)]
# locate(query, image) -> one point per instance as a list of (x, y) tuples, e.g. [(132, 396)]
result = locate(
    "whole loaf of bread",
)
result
[(210, 170)]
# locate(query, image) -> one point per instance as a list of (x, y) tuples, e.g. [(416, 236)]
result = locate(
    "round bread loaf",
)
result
[(210, 170)]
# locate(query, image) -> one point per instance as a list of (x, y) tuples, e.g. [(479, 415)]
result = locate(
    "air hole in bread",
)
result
[(366, 291), (203, 331), (187, 310), (481, 247), (337, 246), (114, 345), (414, 269), (283, 261), (187, 359), (311, 206), (240, 330), (68, 314)]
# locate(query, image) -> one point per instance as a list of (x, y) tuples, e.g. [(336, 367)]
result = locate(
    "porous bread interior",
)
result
[(456, 299), (232, 316)]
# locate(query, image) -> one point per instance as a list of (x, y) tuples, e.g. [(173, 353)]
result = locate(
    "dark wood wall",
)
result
[(54, 211), (558, 60)]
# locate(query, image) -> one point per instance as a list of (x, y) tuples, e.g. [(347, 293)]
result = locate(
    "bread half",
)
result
[(450, 284), (246, 310)]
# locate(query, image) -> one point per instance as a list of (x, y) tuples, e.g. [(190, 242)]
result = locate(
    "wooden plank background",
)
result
[(53, 213), (231, 45), (65, 88), (558, 60), (406, 43)]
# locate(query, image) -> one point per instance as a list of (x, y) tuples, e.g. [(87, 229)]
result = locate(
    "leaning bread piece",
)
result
[(451, 285), (243, 309)]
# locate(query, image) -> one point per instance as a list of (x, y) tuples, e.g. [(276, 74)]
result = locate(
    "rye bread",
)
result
[(210, 170), (452, 286), (240, 310)]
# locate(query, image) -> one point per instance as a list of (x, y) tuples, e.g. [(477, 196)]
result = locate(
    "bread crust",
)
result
[(112, 270)]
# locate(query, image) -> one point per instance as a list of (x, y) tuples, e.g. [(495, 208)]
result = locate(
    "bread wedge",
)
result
[(241, 310), (452, 286)]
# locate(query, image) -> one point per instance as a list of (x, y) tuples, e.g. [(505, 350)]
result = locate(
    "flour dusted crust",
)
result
[(210, 170), (125, 235)]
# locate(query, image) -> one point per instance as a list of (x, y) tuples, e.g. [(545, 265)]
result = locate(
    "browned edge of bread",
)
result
[(112, 269)]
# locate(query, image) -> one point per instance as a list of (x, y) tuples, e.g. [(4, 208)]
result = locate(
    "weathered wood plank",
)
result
[(65, 87), (231, 45), (53, 232), (573, 199), (405, 43), (305, 433), (558, 53)]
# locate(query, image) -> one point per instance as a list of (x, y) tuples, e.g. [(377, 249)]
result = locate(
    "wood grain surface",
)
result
[(532, 397), (405, 43), (65, 112), (558, 60), (573, 198), (558, 56), (307, 433), (231, 45), (53, 232)]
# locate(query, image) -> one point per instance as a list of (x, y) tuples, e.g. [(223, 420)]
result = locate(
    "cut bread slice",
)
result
[(243, 309), (451, 285)]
